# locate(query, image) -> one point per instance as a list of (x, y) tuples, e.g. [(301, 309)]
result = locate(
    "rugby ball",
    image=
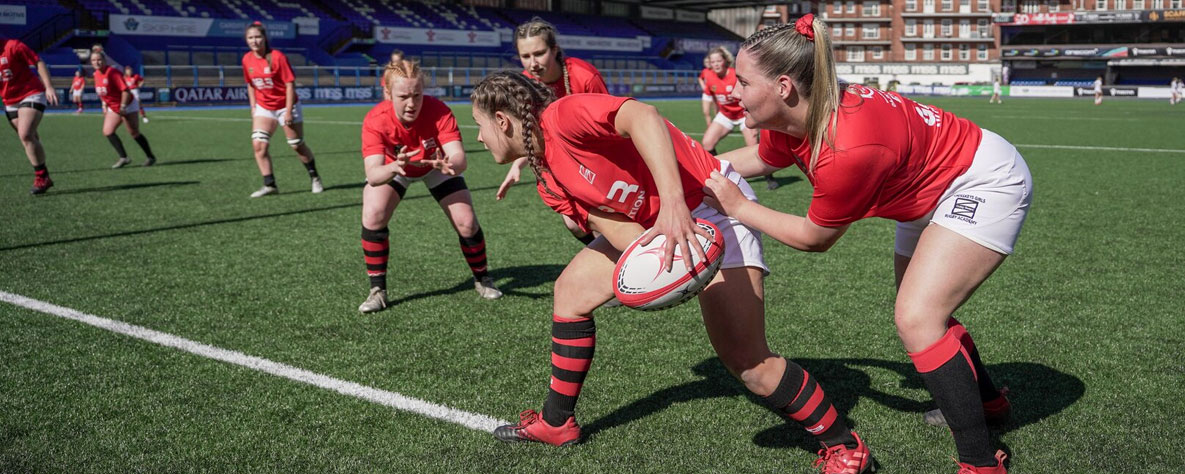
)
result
[(641, 282)]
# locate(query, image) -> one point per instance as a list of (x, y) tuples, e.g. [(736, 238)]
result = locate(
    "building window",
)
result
[(1175, 4), (850, 30), (911, 52), (946, 52), (872, 9), (1054, 5), (1157, 4), (1008, 6), (911, 27), (928, 29), (911, 5), (837, 30), (964, 52), (982, 52), (964, 28), (1030, 6), (928, 52), (1100, 5), (946, 28), (871, 31), (1121, 4), (1137, 4), (965, 6), (948, 5), (878, 52), (851, 6), (837, 7), (855, 54), (983, 29), (927, 6), (983, 6)]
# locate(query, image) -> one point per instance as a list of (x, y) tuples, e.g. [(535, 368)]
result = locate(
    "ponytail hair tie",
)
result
[(256, 23), (805, 26)]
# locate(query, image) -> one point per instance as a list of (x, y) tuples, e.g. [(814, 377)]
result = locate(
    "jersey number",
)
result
[(262, 82)]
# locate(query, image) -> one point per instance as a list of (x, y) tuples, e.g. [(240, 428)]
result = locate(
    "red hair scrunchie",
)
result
[(805, 26)]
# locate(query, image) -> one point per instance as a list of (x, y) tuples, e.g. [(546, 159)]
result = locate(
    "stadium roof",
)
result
[(706, 5)]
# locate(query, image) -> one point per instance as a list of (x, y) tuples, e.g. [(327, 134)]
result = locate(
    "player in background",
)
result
[(120, 107), (405, 139), (76, 88), (719, 83), (960, 195), (614, 165), (706, 100), (544, 60), (134, 81), (1175, 88), (25, 96), (273, 102), (996, 92), (1098, 90)]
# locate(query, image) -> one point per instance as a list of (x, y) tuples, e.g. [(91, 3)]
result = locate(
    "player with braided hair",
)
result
[(959, 194), (408, 138), (614, 165), (545, 61)]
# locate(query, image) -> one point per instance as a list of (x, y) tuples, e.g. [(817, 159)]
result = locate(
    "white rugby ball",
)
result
[(642, 283)]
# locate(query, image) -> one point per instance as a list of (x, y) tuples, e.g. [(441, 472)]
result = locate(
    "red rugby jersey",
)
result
[(588, 165), (133, 81), (720, 88), (382, 131), (109, 85), (269, 81), (582, 76), (17, 79), (78, 84), (892, 158)]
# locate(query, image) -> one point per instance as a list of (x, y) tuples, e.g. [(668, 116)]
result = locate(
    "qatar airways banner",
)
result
[(398, 35), (192, 27), (205, 95)]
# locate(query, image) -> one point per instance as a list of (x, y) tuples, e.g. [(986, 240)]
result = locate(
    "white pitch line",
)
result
[(394, 400), (1101, 148)]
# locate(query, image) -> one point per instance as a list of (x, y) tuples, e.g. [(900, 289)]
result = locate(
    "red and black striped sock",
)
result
[(800, 398), (987, 389), (573, 342), (474, 249), (950, 376), (375, 250)]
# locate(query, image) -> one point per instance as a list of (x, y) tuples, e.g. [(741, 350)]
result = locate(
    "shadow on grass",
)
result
[(511, 280), (759, 181), (192, 225), (160, 162), (1037, 392), (119, 187)]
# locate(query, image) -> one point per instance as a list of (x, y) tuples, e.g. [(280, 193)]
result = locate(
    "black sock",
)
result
[(143, 142), (118, 145), (311, 166), (587, 239), (950, 378), (800, 398), (269, 180), (987, 389)]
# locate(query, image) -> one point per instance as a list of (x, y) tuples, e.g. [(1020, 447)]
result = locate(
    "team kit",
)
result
[(662, 217)]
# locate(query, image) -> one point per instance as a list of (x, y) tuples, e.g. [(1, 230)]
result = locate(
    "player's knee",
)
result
[(27, 137), (260, 136)]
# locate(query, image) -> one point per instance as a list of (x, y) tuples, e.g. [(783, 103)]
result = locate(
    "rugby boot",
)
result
[(531, 427), (485, 287), (840, 459), (997, 469), (376, 301), (41, 185)]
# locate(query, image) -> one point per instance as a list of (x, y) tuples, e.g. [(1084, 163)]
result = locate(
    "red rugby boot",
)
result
[(840, 459), (997, 469), (531, 427), (41, 185)]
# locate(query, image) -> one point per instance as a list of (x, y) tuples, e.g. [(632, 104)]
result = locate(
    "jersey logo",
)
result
[(250, 70), (588, 174), (625, 188), (267, 70)]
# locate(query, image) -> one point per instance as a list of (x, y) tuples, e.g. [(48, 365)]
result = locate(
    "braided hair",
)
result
[(782, 51), (540, 27), (522, 98)]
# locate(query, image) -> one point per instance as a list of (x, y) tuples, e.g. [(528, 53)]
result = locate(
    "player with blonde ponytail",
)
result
[(615, 166), (406, 138), (960, 195)]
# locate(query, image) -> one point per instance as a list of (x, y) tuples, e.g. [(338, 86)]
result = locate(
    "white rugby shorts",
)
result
[(742, 244), (278, 115), (987, 204)]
